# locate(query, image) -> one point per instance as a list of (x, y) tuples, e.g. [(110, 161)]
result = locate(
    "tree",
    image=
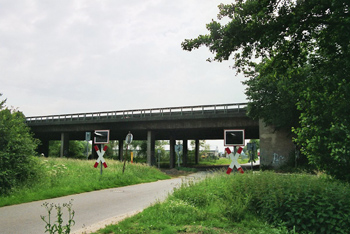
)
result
[(77, 149), (141, 147), (296, 56), (17, 149)]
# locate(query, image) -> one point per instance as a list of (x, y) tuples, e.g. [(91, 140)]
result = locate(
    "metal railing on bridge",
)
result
[(143, 113)]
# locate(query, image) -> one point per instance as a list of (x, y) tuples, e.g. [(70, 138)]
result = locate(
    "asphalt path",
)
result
[(93, 210)]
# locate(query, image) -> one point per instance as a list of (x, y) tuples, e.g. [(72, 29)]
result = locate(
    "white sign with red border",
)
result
[(234, 158), (100, 154)]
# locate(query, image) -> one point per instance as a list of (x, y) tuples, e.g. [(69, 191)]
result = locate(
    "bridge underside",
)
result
[(190, 127), (178, 123), (211, 130)]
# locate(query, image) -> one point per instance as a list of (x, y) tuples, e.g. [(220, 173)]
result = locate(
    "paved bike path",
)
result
[(93, 209)]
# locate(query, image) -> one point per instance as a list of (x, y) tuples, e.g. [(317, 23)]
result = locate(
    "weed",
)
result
[(61, 176), (253, 203), (58, 227)]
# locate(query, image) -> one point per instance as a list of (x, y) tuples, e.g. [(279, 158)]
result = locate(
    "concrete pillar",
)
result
[(64, 145), (120, 149), (196, 152), (94, 154), (185, 152), (172, 153), (151, 144), (276, 147), (93, 151), (43, 148)]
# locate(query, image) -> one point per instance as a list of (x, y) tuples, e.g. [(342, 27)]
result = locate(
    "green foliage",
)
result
[(58, 226), (324, 133), (17, 150), (77, 149), (290, 203), (62, 176), (275, 90), (297, 57), (304, 202)]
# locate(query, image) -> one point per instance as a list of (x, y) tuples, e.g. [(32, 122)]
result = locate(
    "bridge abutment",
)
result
[(276, 146)]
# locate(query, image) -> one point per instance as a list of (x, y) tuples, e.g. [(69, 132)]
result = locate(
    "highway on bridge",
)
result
[(173, 123)]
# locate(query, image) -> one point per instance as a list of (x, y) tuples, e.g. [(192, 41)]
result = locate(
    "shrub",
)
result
[(305, 202), (17, 150), (300, 202)]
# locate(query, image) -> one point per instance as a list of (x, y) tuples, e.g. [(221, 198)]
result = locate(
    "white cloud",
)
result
[(84, 56)]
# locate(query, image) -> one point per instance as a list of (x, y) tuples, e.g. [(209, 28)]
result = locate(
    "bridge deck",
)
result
[(168, 112)]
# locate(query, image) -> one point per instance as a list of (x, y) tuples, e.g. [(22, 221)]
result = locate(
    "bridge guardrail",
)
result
[(142, 113)]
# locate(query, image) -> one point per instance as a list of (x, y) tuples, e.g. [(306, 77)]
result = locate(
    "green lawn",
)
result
[(250, 203), (60, 177), (221, 161)]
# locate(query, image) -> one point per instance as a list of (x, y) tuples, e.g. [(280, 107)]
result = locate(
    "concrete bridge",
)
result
[(173, 123)]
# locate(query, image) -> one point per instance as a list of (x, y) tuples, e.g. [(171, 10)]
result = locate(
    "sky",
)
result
[(76, 56)]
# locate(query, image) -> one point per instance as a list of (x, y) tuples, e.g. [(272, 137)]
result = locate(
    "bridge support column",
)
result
[(94, 155), (43, 148), (276, 146), (196, 152), (172, 153), (120, 149), (64, 145), (151, 145), (185, 152)]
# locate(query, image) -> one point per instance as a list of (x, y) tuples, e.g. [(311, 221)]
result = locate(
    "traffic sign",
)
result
[(234, 158), (101, 137), (128, 138), (87, 136), (234, 137), (100, 154)]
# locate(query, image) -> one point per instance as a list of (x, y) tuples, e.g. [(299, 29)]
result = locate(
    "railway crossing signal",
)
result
[(101, 137), (100, 154), (234, 137), (234, 158)]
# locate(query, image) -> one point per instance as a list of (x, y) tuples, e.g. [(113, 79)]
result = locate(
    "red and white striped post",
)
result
[(100, 154), (234, 159)]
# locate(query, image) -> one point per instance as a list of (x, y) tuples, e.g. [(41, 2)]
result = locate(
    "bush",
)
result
[(17, 150), (77, 149), (300, 202), (305, 202)]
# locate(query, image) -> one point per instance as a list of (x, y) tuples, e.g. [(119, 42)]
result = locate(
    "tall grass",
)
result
[(262, 202), (60, 177), (221, 161)]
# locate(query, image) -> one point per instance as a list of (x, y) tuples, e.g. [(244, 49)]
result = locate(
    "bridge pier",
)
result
[(43, 148), (151, 144), (196, 152), (64, 144), (172, 152), (120, 149), (185, 152)]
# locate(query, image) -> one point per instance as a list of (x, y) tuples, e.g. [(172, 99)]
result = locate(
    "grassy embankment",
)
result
[(221, 161), (261, 202), (60, 177)]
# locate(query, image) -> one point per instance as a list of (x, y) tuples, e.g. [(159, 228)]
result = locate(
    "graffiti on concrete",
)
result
[(278, 159)]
